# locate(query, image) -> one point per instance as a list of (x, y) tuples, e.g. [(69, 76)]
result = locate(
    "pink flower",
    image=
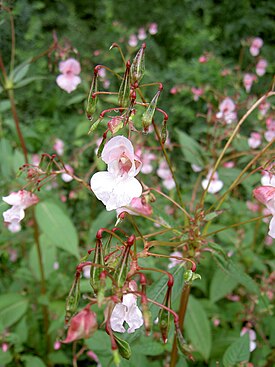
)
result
[(270, 125), (261, 66), (153, 28), (83, 325), (256, 45), (196, 168), (174, 90), (197, 92), (115, 124), (255, 140), (266, 195), (227, 111), (20, 201), (165, 173), (253, 207), (57, 345), (66, 177), (139, 205), (5, 347), (35, 159), (133, 40), (142, 34), (264, 107), (203, 59), (86, 271), (69, 79), (248, 80), (59, 146), (229, 164), (146, 159), (127, 311), (173, 261), (215, 185), (268, 179), (252, 337), (118, 186)]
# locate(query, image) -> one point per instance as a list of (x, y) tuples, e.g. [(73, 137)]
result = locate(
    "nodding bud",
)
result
[(123, 348), (121, 271), (83, 325), (148, 115), (165, 317), (95, 278), (73, 298), (92, 98), (124, 90), (138, 66)]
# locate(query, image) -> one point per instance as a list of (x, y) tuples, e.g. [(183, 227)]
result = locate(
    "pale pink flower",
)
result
[(253, 207), (216, 322), (146, 159), (57, 345), (173, 262), (83, 325), (128, 312), (227, 111), (35, 159), (268, 179), (264, 107), (59, 146), (196, 168), (270, 133), (86, 271), (229, 164), (256, 45), (20, 201), (268, 241), (133, 40), (233, 297), (56, 265), (118, 186), (252, 337), (255, 140), (142, 34), (94, 357), (139, 206), (102, 73), (248, 80), (106, 83), (5, 347), (165, 174), (261, 66), (215, 185), (69, 79), (197, 92), (266, 195), (67, 177), (203, 59), (153, 28)]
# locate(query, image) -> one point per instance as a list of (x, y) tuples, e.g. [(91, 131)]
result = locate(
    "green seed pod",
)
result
[(138, 66), (121, 271), (92, 99), (123, 347), (97, 270), (72, 299), (124, 90), (183, 346), (148, 115)]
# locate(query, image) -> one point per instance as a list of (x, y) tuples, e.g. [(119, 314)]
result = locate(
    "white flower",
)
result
[(128, 312), (118, 186), (252, 337), (215, 185)]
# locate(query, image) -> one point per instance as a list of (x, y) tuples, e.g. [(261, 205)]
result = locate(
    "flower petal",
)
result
[(118, 317), (68, 82)]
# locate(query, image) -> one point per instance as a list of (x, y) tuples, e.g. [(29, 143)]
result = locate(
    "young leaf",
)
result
[(191, 149), (12, 307), (221, 285), (237, 352)]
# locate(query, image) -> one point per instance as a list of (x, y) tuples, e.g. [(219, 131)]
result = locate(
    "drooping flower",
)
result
[(20, 201), (66, 177), (270, 126), (133, 40), (266, 195), (83, 325), (153, 28), (128, 312), (261, 66), (252, 337), (142, 34), (59, 146), (256, 45), (215, 184), (248, 80), (164, 172), (227, 111), (118, 186), (255, 140), (139, 206), (197, 92), (69, 79)]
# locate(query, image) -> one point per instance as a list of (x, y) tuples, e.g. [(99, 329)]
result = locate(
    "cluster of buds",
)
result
[(117, 282)]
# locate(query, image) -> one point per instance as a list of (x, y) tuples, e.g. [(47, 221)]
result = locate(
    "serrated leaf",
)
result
[(221, 285), (237, 352), (197, 327), (190, 148), (32, 361), (57, 226), (12, 307)]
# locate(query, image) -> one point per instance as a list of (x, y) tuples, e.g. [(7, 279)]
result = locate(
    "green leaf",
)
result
[(102, 220), (57, 226), (5, 357), (191, 149), (221, 285), (27, 81), (76, 99), (20, 71), (197, 327), (12, 307), (32, 361), (148, 347), (237, 352), (6, 164)]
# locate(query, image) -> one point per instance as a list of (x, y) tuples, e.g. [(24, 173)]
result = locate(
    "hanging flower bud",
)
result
[(95, 125), (148, 115), (83, 325), (183, 346), (124, 90), (97, 270), (138, 66), (164, 316), (73, 298), (92, 98)]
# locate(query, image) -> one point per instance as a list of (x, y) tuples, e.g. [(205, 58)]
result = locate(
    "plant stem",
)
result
[(182, 311)]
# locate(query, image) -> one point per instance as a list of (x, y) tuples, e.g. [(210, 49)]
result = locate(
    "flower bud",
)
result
[(83, 325), (148, 115), (138, 66), (97, 270), (124, 90), (123, 348), (92, 98)]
